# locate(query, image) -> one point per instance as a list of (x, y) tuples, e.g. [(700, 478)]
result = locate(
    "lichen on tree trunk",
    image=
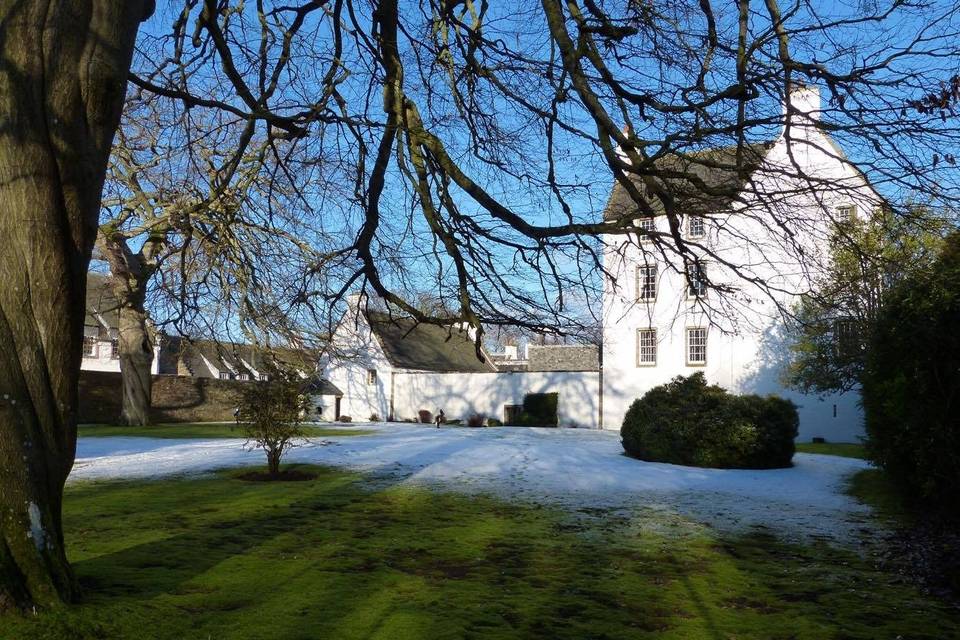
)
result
[(62, 81)]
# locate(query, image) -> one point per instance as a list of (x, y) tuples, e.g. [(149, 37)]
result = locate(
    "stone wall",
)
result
[(175, 398)]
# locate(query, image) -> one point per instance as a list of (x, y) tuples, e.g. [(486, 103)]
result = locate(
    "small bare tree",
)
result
[(269, 414)]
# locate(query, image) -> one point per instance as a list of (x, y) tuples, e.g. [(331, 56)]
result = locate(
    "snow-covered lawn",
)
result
[(576, 469)]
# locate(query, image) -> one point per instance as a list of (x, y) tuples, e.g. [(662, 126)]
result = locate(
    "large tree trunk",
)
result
[(62, 79), (129, 274), (136, 360)]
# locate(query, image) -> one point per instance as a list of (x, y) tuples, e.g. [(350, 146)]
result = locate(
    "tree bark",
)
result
[(273, 462), (63, 73), (136, 359), (130, 273)]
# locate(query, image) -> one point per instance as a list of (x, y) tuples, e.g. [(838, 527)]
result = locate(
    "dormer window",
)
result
[(225, 376), (696, 227)]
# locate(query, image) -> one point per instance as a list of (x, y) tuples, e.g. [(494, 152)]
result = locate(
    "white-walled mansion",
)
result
[(766, 243)]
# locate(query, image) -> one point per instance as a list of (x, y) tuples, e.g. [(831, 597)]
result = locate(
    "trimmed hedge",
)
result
[(539, 410), (689, 422)]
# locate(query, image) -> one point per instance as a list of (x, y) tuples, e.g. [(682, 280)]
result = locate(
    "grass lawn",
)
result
[(846, 450), (219, 557), (210, 430)]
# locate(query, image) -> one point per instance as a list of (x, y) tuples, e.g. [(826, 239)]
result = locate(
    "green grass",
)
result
[(218, 557), (872, 487), (212, 430), (833, 449)]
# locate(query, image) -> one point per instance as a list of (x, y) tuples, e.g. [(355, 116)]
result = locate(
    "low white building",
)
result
[(660, 321), (393, 368), (100, 329)]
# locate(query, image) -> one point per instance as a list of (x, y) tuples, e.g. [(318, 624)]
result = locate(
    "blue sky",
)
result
[(841, 49)]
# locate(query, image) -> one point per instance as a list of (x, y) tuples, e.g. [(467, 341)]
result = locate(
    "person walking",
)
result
[(440, 418)]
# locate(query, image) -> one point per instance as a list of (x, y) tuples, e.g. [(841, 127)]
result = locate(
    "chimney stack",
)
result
[(805, 102)]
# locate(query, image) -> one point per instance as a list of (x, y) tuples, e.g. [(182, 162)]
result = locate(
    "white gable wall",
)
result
[(354, 351)]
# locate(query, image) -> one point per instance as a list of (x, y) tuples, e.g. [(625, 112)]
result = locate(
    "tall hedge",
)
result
[(911, 381), (689, 422)]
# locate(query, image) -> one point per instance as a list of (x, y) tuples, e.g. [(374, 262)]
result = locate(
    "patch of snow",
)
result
[(571, 468)]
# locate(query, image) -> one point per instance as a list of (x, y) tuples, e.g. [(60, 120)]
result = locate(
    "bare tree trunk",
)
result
[(129, 274), (62, 79), (136, 359), (273, 462)]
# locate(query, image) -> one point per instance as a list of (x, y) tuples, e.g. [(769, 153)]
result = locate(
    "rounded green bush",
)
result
[(689, 422)]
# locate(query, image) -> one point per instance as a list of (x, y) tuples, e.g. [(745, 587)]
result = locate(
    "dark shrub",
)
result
[(911, 382), (476, 420), (374, 417), (539, 410), (689, 422), (425, 416), (344, 419), (493, 422)]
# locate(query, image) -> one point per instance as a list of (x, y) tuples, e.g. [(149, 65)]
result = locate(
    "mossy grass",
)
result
[(339, 557), (873, 487), (209, 430), (844, 449)]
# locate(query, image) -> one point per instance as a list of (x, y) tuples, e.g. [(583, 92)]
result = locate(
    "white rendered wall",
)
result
[(461, 395), (746, 348), (354, 351), (102, 360)]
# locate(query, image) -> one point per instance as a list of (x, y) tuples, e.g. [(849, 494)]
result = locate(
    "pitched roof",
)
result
[(322, 387), (235, 357), (101, 304), (682, 174), (425, 347), (563, 357)]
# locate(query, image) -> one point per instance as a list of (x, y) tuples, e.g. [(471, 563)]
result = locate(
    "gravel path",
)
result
[(576, 469)]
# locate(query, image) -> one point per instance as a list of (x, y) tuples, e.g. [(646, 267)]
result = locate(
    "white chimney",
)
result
[(804, 100), (354, 300)]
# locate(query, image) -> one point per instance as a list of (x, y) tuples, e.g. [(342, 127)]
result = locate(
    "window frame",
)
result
[(92, 342), (640, 346), (687, 346), (225, 375), (642, 221), (701, 267), (371, 377), (703, 227), (847, 212), (656, 283)]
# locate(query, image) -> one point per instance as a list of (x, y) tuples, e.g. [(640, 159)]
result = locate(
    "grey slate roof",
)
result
[(230, 356), (563, 358), (425, 347), (716, 168), (100, 301), (322, 387)]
